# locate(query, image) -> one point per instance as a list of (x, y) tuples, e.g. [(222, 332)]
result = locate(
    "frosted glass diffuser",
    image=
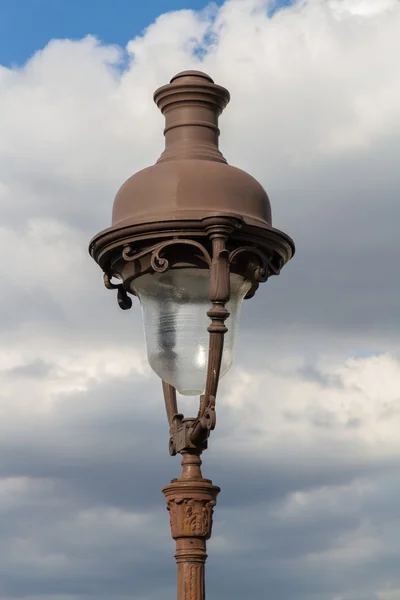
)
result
[(174, 306)]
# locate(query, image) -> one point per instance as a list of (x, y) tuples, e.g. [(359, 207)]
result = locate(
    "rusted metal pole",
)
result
[(190, 502)]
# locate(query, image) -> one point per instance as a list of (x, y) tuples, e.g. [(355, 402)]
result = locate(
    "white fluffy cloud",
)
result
[(309, 419)]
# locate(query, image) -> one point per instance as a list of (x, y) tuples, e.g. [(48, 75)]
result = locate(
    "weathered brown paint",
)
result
[(191, 181), (190, 502), (192, 209)]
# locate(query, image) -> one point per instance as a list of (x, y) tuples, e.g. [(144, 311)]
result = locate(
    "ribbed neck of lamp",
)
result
[(191, 104)]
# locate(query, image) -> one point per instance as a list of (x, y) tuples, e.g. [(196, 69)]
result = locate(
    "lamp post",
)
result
[(191, 237)]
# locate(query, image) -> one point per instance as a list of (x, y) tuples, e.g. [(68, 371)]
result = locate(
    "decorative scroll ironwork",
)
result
[(160, 263), (124, 301), (262, 271)]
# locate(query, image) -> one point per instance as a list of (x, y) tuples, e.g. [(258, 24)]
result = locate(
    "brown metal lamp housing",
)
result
[(192, 210)]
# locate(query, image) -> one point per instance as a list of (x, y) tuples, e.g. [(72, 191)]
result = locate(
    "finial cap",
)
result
[(191, 87), (199, 74)]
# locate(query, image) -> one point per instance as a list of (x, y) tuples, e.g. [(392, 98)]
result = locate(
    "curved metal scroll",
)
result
[(124, 301), (262, 271), (160, 263)]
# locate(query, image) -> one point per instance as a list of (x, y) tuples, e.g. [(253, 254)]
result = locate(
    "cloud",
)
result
[(306, 449)]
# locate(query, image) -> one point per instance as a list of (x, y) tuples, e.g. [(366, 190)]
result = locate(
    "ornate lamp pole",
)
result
[(191, 237)]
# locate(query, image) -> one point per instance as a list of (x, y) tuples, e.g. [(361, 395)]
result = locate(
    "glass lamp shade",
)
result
[(174, 306)]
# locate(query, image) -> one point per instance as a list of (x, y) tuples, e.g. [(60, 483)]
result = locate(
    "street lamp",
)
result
[(191, 237)]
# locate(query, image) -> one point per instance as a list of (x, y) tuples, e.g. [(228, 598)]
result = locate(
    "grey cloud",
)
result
[(35, 369), (94, 456), (312, 373), (30, 305), (105, 449)]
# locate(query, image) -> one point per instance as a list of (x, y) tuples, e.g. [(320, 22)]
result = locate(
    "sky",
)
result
[(28, 25), (306, 450)]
